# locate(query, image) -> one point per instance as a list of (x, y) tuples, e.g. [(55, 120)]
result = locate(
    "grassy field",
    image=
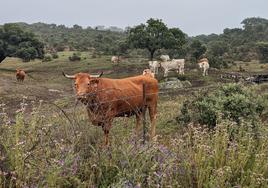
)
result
[(43, 147)]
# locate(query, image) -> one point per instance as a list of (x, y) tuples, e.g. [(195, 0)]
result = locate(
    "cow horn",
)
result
[(97, 76), (68, 76)]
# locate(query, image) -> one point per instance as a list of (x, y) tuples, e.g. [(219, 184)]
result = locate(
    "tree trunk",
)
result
[(152, 55), (2, 58)]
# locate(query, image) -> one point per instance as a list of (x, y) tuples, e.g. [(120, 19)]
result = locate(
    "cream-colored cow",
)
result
[(174, 64), (115, 59), (164, 58), (154, 65), (204, 66), (148, 72)]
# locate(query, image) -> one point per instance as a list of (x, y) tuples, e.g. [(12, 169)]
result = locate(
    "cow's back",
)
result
[(170, 65)]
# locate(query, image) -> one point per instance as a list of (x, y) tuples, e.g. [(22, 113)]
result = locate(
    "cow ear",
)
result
[(94, 82)]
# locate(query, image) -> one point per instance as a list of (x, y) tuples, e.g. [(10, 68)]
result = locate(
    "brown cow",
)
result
[(20, 75), (107, 98)]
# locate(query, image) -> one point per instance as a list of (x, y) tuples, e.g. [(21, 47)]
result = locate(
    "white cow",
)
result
[(154, 65), (175, 64), (181, 63), (204, 66), (164, 58), (148, 72), (115, 59)]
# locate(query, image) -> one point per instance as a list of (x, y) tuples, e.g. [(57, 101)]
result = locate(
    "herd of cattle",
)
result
[(170, 65)]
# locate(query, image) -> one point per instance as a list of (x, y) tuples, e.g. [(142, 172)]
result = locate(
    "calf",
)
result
[(148, 72)]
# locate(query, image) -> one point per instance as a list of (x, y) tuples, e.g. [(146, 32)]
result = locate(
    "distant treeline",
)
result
[(247, 43), (244, 43)]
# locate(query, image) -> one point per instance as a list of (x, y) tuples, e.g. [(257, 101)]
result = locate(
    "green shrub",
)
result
[(47, 58), (232, 102), (219, 62), (75, 57), (55, 55), (182, 77), (262, 48)]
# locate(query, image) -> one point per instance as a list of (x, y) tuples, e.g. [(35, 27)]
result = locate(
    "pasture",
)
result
[(47, 140)]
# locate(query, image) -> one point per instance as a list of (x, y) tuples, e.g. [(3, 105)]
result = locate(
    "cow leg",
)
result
[(106, 128), (152, 113), (138, 125), (166, 73)]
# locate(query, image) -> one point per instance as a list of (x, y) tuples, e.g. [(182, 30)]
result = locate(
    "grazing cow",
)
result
[(175, 64), (107, 98), (20, 75), (164, 58), (204, 66), (115, 59), (148, 72), (154, 65)]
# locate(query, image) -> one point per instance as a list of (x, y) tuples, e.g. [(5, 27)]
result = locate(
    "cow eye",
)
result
[(75, 85)]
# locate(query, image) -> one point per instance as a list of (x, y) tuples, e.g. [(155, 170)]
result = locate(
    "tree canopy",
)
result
[(61, 37), (14, 42), (197, 49), (155, 35), (262, 48), (239, 43)]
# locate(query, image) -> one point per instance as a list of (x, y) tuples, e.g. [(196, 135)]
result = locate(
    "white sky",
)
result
[(193, 17)]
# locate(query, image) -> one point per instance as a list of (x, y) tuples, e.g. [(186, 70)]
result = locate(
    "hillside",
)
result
[(60, 37)]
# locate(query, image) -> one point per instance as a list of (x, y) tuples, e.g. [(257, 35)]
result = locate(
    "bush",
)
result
[(47, 58), (232, 102), (55, 55), (262, 48), (75, 57), (218, 62), (182, 77)]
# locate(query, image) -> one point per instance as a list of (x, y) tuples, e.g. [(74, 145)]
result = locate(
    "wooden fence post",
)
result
[(144, 107)]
